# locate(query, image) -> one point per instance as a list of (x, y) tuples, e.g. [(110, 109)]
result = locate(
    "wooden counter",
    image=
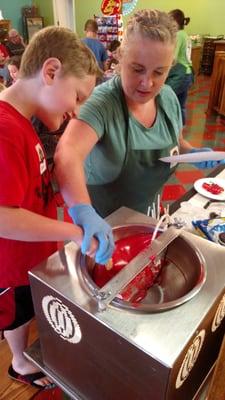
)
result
[(196, 54), (220, 45), (216, 101)]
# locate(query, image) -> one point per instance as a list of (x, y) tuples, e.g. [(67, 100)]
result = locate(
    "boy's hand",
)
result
[(93, 226), (93, 248)]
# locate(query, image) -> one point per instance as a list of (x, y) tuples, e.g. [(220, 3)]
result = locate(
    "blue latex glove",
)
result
[(205, 164), (93, 225)]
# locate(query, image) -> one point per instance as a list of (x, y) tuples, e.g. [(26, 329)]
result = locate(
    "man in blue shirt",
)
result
[(91, 31)]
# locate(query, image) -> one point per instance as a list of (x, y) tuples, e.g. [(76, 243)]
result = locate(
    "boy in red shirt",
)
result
[(57, 74)]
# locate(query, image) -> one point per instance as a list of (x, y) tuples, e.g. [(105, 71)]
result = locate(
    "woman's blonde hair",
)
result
[(63, 44), (153, 24)]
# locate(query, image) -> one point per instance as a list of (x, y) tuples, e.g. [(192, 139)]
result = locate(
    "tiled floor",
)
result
[(200, 131)]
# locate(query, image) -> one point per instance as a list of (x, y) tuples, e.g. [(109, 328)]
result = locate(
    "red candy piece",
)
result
[(125, 250), (212, 188)]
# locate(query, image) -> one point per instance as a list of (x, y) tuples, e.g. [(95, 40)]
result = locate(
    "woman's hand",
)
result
[(206, 164)]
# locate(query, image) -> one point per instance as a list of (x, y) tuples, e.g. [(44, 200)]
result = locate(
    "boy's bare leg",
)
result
[(18, 340)]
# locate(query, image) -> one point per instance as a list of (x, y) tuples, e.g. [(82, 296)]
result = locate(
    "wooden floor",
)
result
[(10, 389)]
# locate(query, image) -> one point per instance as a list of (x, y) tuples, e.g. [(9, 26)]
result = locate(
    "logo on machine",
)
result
[(190, 359), (219, 316), (174, 152), (61, 319)]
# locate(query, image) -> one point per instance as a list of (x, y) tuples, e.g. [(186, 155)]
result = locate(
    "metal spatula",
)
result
[(109, 291)]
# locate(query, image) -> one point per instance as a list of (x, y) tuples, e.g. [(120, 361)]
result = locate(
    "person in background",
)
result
[(47, 138), (181, 75), (123, 130), (13, 64), (113, 49), (91, 40), (4, 56), (51, 83), (15, 44), (112, 69), (112, 52)]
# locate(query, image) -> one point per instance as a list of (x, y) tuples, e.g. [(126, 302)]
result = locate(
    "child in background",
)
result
[(112, 52), (113, 49), (47, 138), (57, 74), (13, 64), (112, 69), (91, 40)]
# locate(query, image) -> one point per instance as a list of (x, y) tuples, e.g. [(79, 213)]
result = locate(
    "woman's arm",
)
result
[(73, 148), (185, 146)]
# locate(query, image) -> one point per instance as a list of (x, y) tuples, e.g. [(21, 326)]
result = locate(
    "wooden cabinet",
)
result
[(196, 54), (208, 56), (5, 26), (220, 45), (210, 46), (217, 89)]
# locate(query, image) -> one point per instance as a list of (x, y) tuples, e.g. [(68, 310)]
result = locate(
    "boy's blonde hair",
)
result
[(153, 24), (63, 44)]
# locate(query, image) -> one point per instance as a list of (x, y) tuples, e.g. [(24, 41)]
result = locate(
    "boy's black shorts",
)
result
[(16, 307)]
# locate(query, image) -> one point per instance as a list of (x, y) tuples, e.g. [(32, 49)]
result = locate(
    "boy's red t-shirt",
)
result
[(24, 182)]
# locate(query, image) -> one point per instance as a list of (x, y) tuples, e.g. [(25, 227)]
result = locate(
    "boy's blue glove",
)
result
[(93, 225), (205, 164)]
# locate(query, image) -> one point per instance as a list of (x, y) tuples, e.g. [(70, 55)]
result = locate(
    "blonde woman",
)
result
[(127, 124)]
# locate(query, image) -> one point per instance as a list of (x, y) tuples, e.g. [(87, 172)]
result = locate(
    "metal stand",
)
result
[(33, 353)]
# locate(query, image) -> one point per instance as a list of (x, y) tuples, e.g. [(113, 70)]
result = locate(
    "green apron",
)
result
[(140, 180)]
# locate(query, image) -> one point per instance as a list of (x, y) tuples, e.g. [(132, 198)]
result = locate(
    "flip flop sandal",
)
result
[(29, 379)]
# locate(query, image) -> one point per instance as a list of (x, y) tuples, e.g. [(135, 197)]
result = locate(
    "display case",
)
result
[(109, 28), (209, 46), (33, 25), (32, 22)]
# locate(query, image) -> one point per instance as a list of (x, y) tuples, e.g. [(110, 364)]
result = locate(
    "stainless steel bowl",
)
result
[(180, 280)]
